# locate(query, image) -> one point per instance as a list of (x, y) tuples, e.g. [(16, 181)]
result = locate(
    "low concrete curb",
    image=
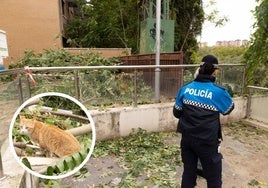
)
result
[(13, 172), (256, 123)]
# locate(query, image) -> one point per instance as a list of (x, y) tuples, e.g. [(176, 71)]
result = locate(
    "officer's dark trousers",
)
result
[(211, 160)]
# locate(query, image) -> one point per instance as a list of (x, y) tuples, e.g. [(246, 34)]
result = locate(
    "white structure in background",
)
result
[(3, 48)]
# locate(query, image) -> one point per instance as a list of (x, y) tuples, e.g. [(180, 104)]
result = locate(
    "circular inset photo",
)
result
[(52, 135)]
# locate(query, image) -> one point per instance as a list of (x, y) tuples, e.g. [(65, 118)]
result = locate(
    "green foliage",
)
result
[(104, 24), (254, 182), (229, 77), (45, 183), (256, 56), (225, 54), (61, 58), (106, 88), (189, 17), (81, 174), (240, 131), (26, 163), (144, 152), (213, 15), (56, 102), (97, 87), (116, 24), (68, 163)]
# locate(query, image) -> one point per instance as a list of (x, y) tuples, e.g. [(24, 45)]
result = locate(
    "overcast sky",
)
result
[(239, 25)]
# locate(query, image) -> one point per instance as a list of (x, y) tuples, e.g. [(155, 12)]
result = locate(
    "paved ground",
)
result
[(12, 171), (245, 163), (7, 110)]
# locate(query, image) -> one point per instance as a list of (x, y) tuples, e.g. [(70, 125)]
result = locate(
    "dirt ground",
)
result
[(245, 158), (245, 162)]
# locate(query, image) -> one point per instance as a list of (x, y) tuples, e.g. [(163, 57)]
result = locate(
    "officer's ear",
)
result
[(214, 72)]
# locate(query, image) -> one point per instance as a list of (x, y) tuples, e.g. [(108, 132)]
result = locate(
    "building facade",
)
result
[(30, 25), (39, 24)]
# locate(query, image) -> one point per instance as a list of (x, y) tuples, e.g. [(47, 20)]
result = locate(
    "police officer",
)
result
[(198, 106)]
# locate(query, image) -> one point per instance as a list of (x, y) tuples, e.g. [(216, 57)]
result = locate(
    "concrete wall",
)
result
[(258, 109), (153, 117), (103, 52), (239, 112)]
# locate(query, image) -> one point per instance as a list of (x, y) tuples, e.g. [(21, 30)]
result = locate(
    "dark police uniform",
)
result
[(198, 107)]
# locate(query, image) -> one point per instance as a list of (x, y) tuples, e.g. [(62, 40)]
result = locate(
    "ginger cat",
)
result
[(49, 137)]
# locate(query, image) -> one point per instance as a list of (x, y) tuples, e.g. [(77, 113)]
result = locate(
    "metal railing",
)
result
[(259, 88), (170, 84), (181, 70)]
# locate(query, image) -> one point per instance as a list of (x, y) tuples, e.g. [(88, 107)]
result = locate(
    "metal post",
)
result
[(243, 81), (20, 94), (135, 89), (76, 84), (248, 103), (182, 77), (221, 75), (157, 51), (28, 86)]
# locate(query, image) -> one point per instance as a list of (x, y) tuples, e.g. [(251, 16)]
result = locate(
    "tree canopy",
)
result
[(256, 56), (116, 23), (189, 17), (104, 24)]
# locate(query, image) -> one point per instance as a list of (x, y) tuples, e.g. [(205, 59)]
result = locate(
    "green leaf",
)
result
[(70, 162), (77, 158), (82, 173), (50, 171), (60, 166), (26, 163), (83, 153), (66, 167)]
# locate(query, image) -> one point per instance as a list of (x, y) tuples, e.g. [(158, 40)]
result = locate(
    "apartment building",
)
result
[(235, 43), (231, 43), (38, 24), (30, 25)]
